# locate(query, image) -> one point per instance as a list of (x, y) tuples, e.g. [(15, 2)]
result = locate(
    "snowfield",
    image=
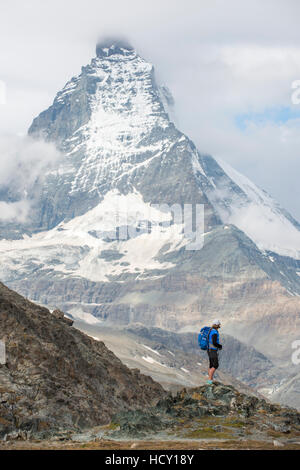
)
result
[(78, 247)]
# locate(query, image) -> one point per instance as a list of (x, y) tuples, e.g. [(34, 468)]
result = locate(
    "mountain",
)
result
[(57, 378), (110, 233)]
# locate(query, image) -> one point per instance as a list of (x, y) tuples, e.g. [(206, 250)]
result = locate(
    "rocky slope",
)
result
[(287, 393), (206, 417), (216, 411), (56, 377)]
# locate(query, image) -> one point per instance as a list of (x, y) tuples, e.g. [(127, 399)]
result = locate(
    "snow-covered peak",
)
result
[(125, 109), (112, 124), (126, 89), (118, 80), (107, 120), (111, 46)]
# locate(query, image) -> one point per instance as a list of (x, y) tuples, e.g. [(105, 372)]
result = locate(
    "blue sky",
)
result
[(277, 116)]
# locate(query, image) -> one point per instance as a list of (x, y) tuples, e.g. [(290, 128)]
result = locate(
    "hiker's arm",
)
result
[(215, 343)]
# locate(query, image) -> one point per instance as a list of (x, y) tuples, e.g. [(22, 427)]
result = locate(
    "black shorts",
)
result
[(213, 358)]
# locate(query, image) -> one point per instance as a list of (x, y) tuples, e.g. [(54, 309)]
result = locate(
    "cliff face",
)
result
[(56, 377)]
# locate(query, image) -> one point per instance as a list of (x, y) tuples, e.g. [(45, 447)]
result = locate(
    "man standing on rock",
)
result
[(212, 350)]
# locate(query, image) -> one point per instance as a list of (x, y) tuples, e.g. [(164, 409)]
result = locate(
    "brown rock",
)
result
[(58, 377)]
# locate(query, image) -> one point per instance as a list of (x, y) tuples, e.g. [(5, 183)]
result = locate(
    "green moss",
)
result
[(208, 433), (112, 426), (233, 423)]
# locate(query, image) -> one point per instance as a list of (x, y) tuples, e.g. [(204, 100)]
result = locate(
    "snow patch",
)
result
[(152, 361), (78, 314), (152, 350), (197, 166)]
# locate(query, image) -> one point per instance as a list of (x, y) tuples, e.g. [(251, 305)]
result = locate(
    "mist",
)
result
[(23, 165)]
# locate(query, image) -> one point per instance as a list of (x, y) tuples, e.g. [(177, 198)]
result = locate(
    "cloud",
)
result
[(256, 214), (14, 211), (268, 230), (24, 162)]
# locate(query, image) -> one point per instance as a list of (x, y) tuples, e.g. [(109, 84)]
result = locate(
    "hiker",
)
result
[(212, 350)]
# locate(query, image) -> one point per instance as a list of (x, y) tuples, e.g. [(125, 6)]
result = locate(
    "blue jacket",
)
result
[(213, 332)]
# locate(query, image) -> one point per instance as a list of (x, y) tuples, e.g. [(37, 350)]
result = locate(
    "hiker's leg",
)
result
[(212, 370), (209, 363)]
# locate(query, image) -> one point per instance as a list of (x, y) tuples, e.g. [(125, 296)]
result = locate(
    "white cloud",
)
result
[(17, 211)]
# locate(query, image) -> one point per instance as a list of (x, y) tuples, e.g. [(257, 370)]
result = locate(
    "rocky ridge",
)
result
[(216, 411), (55, 377)]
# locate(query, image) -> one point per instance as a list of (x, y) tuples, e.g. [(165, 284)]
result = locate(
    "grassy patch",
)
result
[(208, 433), (112, 426), (233, 423)]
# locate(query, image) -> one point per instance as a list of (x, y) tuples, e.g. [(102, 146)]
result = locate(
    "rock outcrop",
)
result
[(210, 411)]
